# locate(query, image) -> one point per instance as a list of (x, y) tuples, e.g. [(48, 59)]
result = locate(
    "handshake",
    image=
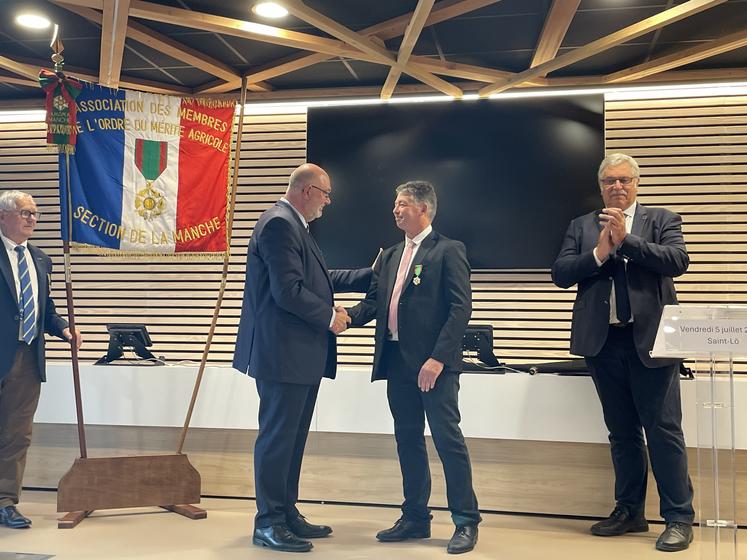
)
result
[(342, 320)]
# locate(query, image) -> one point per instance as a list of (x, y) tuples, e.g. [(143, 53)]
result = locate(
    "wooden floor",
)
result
[(225, 535), (545, 477)]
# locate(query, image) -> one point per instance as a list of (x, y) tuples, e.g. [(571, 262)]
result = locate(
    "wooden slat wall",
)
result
[(693, 154), (693, 158)]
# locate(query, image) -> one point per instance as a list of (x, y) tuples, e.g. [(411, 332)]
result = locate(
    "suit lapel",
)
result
[(42, 277), (640, 221), (308, 240), (425, 248), (7, 271)]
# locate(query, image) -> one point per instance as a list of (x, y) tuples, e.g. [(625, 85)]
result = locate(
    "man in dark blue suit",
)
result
[(623, 259), (287, 343), (26, 313), (421, 298)]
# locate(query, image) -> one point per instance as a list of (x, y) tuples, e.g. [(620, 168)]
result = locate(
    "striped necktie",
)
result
[(26, 299)]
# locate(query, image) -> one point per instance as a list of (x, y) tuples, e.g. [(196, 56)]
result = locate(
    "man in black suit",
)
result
[(26, 313), (623, 259), (421, 299), (286, 342)]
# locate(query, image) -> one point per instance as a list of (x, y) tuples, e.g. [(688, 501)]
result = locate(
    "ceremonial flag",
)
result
[(149, 174), (60, 92)]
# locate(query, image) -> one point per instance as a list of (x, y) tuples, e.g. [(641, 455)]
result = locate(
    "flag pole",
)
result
[(224, 276), (59, 62), (71, 315)]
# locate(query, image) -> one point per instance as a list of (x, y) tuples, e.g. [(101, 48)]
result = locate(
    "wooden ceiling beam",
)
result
[(238, 28), (113, 33), (26, 70), (93, 4), (342, 92), (424, 63), (465, 71), (176, 50), (553, 31), (669, 77), (30, 67), (412, 33), (264, 72), (689, 8), (328, 25), (18, 81), (365, 45), (675, 60), (443, 11)]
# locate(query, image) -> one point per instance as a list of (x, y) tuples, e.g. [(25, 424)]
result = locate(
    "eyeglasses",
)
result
[(609, 181), (26, 214), (327, 193)]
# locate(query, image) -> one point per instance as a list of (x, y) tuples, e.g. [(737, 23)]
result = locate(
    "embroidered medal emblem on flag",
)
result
[(150, 159), (149, 174)]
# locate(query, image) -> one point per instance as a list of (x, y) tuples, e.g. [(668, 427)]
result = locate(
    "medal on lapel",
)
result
[(418, 270)]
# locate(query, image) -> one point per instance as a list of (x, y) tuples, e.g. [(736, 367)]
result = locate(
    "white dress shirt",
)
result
[(10, 247)]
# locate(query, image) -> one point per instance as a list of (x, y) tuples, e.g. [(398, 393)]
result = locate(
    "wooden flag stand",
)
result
[(167, 481), (127, 482)]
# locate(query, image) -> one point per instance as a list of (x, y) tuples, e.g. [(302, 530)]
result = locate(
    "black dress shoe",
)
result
[(464, 539), (620, 522), (279, 537), (677, 536), (11, 517), (404, 529), (302, 528)]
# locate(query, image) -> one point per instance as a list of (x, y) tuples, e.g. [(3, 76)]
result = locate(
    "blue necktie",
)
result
[(26, 299)]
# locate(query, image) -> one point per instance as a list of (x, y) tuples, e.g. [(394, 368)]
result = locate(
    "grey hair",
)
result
[(614, 160), (422, 192), (10, 200)]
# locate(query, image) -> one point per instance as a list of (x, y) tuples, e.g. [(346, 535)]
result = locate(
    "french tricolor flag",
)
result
[(149, 173)]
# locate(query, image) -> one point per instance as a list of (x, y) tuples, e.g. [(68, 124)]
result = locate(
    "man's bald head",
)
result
[(304, 175), (309, 190)]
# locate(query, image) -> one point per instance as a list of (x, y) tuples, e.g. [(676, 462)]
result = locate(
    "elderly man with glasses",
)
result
[(26, 313), (623, 259)]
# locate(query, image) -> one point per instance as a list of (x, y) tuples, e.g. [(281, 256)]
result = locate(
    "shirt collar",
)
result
[(11, 245), (303, 220), (418, 239), (630, 210)]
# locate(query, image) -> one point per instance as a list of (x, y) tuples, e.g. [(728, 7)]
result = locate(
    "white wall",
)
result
[(511, 406)]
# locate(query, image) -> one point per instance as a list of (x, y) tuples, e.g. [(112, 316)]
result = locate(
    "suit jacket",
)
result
[(656, 253), (432, 315), (48, 321), (284, 331)]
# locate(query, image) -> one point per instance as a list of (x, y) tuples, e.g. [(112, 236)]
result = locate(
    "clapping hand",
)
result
[(614, 220)]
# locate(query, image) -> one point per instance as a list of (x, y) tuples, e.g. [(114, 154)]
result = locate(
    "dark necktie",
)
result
[(26, 298), (312, 238), (622, 299)]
